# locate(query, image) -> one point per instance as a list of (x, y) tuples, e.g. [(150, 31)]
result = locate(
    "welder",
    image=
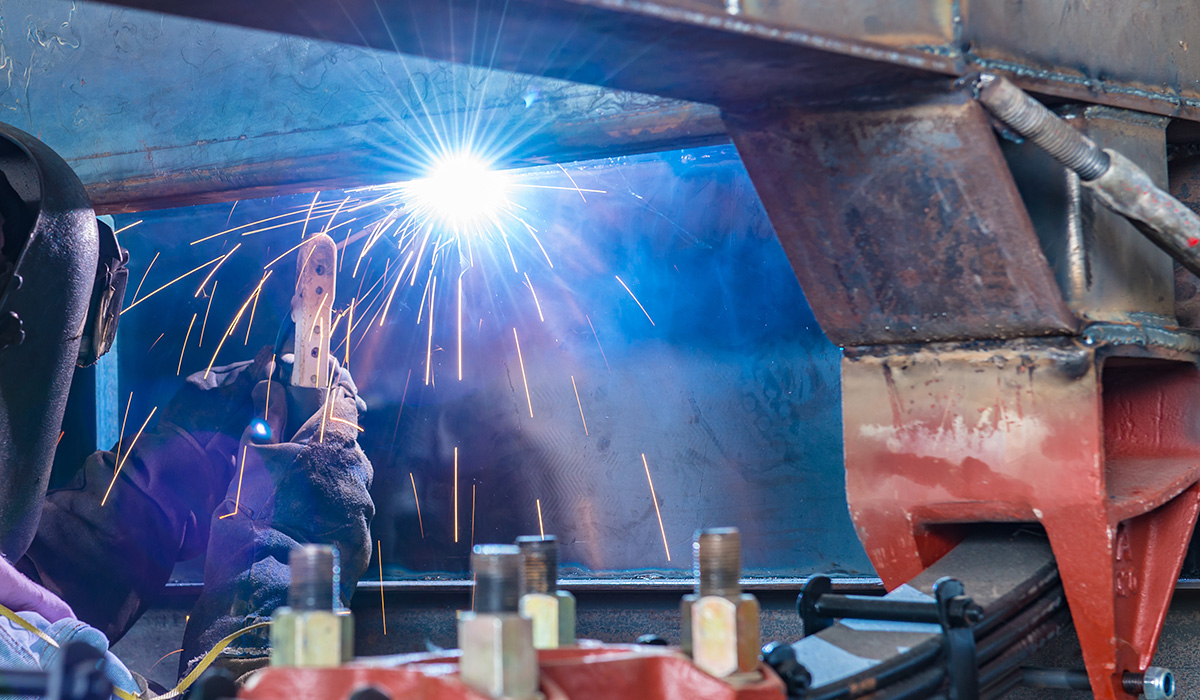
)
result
[(221, 471)]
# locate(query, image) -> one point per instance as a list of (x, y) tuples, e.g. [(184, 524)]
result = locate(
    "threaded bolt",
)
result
[(497, 572), (717, 553), (1029, 118), (539, 569), (314, 577)]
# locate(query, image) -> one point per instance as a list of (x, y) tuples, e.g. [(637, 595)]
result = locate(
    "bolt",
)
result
[(314, 352), (539, 570), (717, 554), (1156, 683), (1029, 118), (497, 577), (314, 577)]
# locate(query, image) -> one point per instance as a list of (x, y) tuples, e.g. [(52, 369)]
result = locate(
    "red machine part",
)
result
[(1104, 453), (591, 671)]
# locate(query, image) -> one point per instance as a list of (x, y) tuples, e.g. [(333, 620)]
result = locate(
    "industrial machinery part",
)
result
[(310, 631), (498, 657), (1155, 683), (1117, 181), (48, 263), (719, 623), (551, 610)]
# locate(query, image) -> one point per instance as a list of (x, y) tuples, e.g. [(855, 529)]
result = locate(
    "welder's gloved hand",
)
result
[(305, 482), (108, 552)]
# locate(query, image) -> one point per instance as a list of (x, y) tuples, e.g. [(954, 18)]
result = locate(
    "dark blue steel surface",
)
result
[(732, 394), (152, 108)]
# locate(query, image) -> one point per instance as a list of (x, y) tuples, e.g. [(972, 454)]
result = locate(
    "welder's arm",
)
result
[(310, 488), (109, 557)]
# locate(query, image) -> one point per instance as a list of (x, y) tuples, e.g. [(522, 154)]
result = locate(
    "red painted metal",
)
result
[(1105, 454), (590, 671)]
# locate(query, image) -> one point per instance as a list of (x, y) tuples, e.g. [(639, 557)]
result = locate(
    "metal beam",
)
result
[(1109, 52), (154, 111)]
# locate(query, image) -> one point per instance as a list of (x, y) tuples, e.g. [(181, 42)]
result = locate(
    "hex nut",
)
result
[(721, 633), (498, 657), (311, 638), (553, 617)]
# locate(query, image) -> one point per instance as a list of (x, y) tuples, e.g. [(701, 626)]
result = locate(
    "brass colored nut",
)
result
[(313, 638), (721, 633), (553, 617), (497, 654)]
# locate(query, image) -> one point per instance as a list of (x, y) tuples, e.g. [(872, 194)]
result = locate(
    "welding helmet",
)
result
[(59, 300)]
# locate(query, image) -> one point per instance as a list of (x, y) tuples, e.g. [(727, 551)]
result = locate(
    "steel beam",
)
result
[(1110, 52), (155, 111)]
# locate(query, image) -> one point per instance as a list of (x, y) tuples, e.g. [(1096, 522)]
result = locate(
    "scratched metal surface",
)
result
[(732, 394), (154, 111)]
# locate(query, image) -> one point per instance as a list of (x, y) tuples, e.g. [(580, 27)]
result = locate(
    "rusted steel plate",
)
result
[(903, 224)]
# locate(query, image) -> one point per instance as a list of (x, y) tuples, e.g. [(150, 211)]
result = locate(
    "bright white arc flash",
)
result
[(461, 191)]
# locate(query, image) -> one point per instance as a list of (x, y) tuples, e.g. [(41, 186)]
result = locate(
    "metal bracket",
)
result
[(958, 639)]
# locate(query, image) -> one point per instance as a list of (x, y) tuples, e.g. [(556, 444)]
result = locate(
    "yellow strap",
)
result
[(175, 692)]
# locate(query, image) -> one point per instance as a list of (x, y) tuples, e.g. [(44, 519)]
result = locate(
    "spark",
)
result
[(349, 329), (267, 403), (352, 424), (535, 299), (580, 404), (635, 300), (183, 349), (429, 345), (204, 325), (472, 516), (60, 437), (392, 293), (123, 229), (418, 502), (456, 494), (382, 605), (520, 359), (121, 462), (564, 172), (255, 223), (326, 409), (214, 270), (121, 437), (541, 526), (284, 253), (160, 337), (253, 308), (164, 658), (146, 274), (304, 231), (237, 500), (168, 284), (597, 337), (657, 512), (238, 317)]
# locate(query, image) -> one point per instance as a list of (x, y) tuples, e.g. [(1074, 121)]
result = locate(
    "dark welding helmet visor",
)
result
[(49, 263)]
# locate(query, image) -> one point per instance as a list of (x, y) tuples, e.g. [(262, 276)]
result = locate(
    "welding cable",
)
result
[(1115, 180), (175, 692)]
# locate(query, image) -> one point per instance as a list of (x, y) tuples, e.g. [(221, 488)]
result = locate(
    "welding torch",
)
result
[(1116, 181)]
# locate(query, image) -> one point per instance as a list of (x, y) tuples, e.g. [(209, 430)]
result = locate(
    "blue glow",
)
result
[(259, 430)]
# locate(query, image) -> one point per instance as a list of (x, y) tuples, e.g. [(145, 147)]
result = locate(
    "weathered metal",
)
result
[(1109, 53), (903, 223), (1107, 270), (1099, 447), (155, 111)]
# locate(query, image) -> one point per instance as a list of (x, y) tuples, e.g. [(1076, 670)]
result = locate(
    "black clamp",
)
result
[(958, 639), (953, 611)]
